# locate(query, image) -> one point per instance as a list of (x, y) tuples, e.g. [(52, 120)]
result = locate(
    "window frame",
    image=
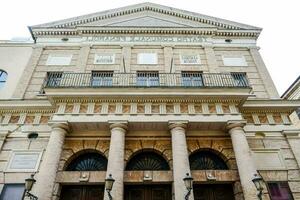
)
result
[(11, 184), (290, 194), (66, 56), (139, 58), (188, 78), (244, 61), (97, 55), (197, 63), (102, 78), (147, 78)]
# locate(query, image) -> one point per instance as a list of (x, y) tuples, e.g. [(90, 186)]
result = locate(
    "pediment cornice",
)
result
[(83, 24)]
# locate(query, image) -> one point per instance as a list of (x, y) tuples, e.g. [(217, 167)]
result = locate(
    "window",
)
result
[(192, 79), (147, 79), (279, 191), (147, 58), (54, 79), (104, 59), (189, 59), (239, 79), (234, 61), (12, 192), (102, 78), (59, 60), (3, 78)]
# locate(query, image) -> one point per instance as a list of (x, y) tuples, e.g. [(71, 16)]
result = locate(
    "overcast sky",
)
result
[(280, 20)]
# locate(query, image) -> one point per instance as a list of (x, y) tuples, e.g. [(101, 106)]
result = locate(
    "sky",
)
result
[(279, 40)]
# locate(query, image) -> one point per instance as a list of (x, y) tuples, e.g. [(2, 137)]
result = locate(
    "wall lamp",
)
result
[(109, 182), (188, 181), (258, 182), (29, 182)]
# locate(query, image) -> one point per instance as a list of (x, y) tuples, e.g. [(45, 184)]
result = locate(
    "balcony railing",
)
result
[(145, 79)]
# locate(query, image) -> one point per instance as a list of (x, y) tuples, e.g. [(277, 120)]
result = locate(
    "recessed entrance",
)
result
[(213, 192), (79, 192), (148, 192)]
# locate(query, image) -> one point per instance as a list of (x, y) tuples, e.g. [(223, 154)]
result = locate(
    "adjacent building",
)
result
[(144, 93)]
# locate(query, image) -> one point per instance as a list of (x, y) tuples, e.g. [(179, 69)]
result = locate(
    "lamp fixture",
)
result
[(109, 182), (188, 182)]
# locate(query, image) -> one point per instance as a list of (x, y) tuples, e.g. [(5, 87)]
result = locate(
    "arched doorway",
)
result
[(148, 161), (87, 161), (209, 160)]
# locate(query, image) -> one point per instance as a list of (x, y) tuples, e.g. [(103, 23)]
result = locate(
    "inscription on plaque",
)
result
[(22, 161), (145, 39)]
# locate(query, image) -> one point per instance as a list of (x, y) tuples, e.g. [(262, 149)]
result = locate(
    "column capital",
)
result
[(177, 124), (60, 125), (235, 124), (118, 124)]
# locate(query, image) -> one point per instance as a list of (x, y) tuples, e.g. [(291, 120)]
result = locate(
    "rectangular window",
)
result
[(59, 60), (239, 79), (234, 61), (104, 59), (189, 59), (147, 79), (192, 79), (12, 192), (147, 58), (279, 191), (102, 78)]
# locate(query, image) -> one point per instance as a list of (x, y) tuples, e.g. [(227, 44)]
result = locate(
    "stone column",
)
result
[(181, 164), (244, 160), (48, 169), (115, 165)]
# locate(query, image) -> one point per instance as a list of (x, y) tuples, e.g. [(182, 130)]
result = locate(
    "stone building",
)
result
[(146, 93)]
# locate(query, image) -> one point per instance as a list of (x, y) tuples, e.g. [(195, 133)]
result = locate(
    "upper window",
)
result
[(206, 160), (59, 60), (189, 59), (3, 78), (234, 61), (147, 58), (12, 192), (279, 191), (104, 59), (91, 161)]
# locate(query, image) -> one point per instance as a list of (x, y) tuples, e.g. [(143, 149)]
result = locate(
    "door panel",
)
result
[(148, 192), (213, 192), (94, 192)]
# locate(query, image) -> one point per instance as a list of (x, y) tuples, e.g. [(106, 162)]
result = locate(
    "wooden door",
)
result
[(213, 192), (148, 192), (78, 192)]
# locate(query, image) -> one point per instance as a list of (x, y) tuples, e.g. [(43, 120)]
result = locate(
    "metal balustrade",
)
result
[(145, 79)]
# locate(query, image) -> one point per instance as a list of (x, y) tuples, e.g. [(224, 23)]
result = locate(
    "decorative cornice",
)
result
[(161, 31), (148, 99)]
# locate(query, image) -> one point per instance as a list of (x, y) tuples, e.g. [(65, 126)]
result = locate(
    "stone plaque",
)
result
[(24, 161)]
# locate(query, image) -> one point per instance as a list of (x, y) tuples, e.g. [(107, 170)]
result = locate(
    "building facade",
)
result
[(146, 93)]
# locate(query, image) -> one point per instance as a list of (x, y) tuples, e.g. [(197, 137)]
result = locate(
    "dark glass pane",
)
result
[(192, 79), (206, 160), (12, 192), (147, 79), (147, 161), (102, 78), (88, 162), (280, 191)]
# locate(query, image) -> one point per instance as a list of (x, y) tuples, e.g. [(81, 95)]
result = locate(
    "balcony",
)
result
[(110, 79)]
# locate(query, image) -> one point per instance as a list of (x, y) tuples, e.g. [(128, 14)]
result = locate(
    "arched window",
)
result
[(3, 77), (206, 160), (147, 161), (88, 162)]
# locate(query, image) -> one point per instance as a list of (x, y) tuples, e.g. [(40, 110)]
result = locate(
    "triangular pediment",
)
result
[(147, 15)]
